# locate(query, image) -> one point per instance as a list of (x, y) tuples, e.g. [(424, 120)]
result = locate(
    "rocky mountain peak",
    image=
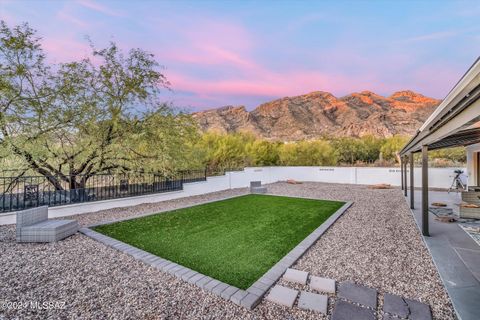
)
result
[(320, 113), (411, 96)]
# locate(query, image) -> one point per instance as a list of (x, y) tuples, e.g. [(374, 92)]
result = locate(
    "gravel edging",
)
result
[(249, 298)]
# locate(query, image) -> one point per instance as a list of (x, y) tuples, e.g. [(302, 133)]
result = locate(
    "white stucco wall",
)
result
[(438, 178)]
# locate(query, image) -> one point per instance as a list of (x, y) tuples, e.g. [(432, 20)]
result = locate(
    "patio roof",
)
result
[(455, 121), (461, 138)]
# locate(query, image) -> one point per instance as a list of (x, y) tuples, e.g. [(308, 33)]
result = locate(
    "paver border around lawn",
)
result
[(248, 298)]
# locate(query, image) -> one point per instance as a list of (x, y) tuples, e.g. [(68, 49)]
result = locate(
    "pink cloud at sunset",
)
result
[(96, 6), (65, 49), (248, 53)]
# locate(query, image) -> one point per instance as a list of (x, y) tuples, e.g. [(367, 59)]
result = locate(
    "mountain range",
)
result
[(320, 114)]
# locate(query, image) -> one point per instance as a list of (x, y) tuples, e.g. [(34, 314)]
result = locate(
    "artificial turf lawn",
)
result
[(235, 240)]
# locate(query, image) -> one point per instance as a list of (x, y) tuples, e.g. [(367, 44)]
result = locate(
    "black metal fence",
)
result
[(21, 192)]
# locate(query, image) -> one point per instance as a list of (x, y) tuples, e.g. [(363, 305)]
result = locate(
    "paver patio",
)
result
[(375, 244), (358, 293), (456, 255), (347, 311), (395, 305)]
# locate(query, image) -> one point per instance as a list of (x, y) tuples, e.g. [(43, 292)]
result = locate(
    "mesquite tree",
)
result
[(70, 121)]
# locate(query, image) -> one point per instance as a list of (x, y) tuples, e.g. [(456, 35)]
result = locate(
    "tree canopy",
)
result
[(72, 120)]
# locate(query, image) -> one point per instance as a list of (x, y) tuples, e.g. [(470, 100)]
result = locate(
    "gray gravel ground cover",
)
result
[(374, 243)]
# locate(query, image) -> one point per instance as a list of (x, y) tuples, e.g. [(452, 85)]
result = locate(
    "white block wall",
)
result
[(438, 178)]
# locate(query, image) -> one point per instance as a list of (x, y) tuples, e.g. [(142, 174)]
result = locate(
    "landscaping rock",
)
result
[(380, 186), (291, 181), (372, 243), (469, 205), (439, 204)]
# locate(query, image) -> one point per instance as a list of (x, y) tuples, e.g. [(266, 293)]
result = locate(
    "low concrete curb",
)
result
[(246, 298)]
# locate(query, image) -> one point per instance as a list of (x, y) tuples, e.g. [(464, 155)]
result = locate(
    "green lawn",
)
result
[(235, 240)]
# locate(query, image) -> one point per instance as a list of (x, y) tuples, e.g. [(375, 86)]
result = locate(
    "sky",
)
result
[(219, 53)]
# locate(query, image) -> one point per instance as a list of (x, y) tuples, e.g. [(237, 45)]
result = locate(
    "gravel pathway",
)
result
[(374, 243)]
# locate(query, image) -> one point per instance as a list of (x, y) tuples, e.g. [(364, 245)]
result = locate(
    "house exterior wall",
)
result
[(472, 164)]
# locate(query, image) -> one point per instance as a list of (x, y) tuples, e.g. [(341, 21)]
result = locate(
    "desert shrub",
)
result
[(391, 148), (263, 153), (308, 153)]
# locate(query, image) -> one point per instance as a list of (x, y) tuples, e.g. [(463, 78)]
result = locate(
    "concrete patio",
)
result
[(456, 255)]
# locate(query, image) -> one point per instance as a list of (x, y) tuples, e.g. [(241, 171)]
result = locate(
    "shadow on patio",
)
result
[(455, 253)]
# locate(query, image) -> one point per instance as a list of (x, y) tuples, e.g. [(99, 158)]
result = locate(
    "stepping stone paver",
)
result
[(313, 301), (347, 311), (418, 310), (395, 305), (282, 295), (296, 276), (358, 293), (322, 284), (405, 308)]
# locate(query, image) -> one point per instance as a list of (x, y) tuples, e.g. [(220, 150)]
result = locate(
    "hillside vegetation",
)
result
[(104, 113)]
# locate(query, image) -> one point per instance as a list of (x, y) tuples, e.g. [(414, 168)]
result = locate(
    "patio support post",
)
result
[(405, 161), (412, 182), (425, 231), (401, 170)]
